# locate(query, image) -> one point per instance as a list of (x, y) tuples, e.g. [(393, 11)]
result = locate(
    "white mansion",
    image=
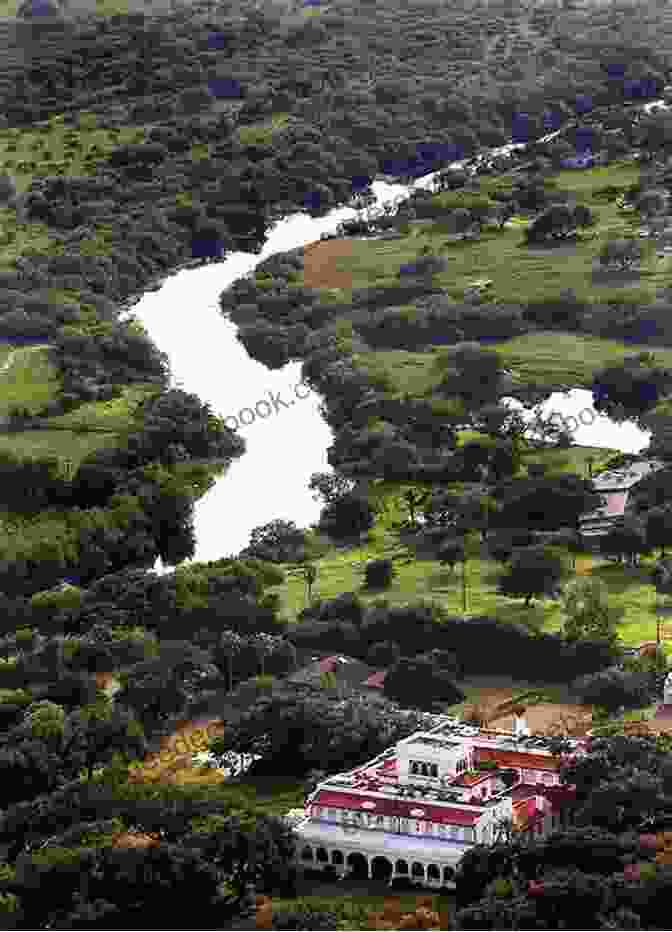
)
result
[(416, 809)]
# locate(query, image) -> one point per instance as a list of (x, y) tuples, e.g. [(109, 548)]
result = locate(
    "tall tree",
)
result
[(533, 571), (588, 615)]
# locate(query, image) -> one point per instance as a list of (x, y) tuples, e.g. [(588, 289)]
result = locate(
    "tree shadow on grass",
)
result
[(514, 612), (619, 578)]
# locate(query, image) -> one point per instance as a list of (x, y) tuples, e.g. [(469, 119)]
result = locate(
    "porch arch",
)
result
[(336, 857), (307, 853), (358, 865), (381, 868)]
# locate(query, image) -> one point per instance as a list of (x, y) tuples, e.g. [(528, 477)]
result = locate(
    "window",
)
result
[(331, 815), (418, 827), (380, 821), (434, 769), (443, 829), (414, 766), (424, 769), (455, 831), (547, 778), (403, 825)]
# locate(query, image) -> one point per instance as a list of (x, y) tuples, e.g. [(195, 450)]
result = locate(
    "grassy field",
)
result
[(58, 149), (518, 273), (68, 446), (30, 381), (566, 357), (550, 357), (262, 133), (353, 910), (427, 580), (115, 415)]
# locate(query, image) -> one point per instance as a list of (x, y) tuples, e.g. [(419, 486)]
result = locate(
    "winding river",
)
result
[(286, 437)]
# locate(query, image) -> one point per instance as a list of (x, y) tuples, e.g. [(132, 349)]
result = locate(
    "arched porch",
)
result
[(362, 865)]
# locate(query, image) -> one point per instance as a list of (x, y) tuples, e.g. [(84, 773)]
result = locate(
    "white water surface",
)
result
[(184, 320), (587, 427)]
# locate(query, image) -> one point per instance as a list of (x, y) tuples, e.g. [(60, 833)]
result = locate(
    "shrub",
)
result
[(304, 919), (383, 653), (418, 684), (379, 574), (612, 689), (346, 518)]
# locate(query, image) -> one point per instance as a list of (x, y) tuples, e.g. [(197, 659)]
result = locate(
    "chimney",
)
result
[(520, 726)]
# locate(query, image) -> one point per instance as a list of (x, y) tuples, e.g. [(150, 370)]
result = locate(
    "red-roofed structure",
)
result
[(398, 808), (517, 759), (376, 680), (417, 811)]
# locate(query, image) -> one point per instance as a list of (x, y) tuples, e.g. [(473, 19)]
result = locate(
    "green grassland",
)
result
[(30, 381), (542, 357), (66, 445), (117, 415), (262, 133), (353, 910), (426, 580), (57, 149), (518, 272)]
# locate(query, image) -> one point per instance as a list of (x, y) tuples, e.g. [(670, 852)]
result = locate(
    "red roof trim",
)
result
[(376, 680), (396, 807), (517, 759)]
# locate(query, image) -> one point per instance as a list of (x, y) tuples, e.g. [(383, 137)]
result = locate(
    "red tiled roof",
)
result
[(376, 680), (557, 796), (523, 791), (471, 779), (520, 758), (614, 505), (389, 764), (396, 807)]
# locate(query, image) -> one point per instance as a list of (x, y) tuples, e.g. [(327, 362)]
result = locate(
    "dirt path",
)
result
[(320, 261)]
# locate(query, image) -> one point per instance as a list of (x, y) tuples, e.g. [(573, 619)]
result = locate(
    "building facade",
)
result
[(614, 485), (416, 809)]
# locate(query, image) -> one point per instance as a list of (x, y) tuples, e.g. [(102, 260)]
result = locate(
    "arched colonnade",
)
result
[(376, 867)]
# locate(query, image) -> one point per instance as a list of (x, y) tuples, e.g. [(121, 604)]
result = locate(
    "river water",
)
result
[(287, 439)]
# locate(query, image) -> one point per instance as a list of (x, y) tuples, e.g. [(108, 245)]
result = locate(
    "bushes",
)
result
[(382, 653), (346, 518), (612, 689), (304, 919), (378, 574), (419, 684)]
